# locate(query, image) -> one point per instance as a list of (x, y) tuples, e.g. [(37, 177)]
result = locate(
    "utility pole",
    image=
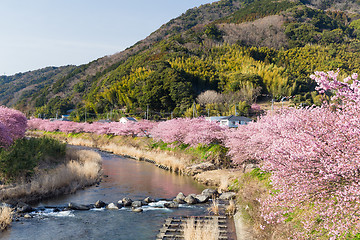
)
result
[(171, 115), (194, 110), (235, 110), (147, 112), (272, 106)]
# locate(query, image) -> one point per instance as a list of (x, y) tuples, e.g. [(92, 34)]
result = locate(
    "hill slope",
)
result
[(238, 48), (202, 15)]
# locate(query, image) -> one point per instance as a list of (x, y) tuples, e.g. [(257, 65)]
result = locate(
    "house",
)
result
[(230, 121), (234, 121), (127, 119), (64, 118)]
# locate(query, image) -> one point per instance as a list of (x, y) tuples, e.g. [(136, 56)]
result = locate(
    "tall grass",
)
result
[(214, 207), (168, 159), (82, 169), (231, 208), (6, 214), (222, 178), (123, 145), (208, 229)]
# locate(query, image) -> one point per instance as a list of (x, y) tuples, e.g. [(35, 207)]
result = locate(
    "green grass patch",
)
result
[(260, 175), (212, 153), (54, 133), (352, 237), (234, 185), (73, 135), (20, 159)]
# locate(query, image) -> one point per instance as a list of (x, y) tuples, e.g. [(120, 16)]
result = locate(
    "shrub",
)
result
[(20, 159)]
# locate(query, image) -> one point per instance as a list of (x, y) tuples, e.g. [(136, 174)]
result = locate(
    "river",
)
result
[(126, 178)]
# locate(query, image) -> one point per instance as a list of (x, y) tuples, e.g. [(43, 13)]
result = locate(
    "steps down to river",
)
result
[(173, 227)]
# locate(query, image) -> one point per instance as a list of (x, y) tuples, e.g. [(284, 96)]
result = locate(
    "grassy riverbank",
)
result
[(79, 168), (35, 169), (175, 158)]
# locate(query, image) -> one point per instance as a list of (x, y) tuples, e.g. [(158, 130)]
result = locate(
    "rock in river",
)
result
[(112, 206), (23, 208), (202, 198), (136, 204), (190, 199), (178, 201), (180, 196), (171, 205), (127, 201), (75, 206), (149, 200), (227, 196), (100, 204), (137, 209), (210, 193)]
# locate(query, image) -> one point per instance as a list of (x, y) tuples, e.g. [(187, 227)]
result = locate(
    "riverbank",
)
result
[(79, 169), (249, 187), (203, 170)]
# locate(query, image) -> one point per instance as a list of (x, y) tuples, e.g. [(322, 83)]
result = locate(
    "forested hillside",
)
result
[(243, 50), (22, 85)]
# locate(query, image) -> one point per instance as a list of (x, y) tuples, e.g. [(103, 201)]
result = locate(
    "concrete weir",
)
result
[(173, 227)]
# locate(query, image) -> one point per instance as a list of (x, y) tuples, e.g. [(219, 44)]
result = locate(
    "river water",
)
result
[(126, 178)]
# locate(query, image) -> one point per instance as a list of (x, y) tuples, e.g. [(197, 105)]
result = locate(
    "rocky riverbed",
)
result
[(23, 210)]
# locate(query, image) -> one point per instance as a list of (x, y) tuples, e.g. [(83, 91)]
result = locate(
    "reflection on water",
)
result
[(126, 178)]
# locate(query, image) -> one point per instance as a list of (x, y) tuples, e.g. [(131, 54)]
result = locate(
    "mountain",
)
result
[(22, 85), (240, 48)]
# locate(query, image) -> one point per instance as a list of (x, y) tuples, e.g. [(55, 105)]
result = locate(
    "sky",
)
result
[(40, 33)]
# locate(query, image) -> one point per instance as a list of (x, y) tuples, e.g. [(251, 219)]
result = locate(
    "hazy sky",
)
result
[(40, 33)]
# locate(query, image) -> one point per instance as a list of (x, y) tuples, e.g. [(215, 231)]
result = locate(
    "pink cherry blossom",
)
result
[(13, 125)]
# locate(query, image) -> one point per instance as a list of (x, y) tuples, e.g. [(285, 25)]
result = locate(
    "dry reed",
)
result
[(220, 177), (122, 145), (224, 183), (82, 169), (81, 142), (231, 208), (208, 230), (214, 207), (175, 163), (6, 214)]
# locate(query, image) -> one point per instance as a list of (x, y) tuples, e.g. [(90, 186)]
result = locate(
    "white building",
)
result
[(230, 121), (127, 119)]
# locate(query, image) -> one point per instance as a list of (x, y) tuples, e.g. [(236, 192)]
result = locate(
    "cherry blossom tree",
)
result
[(13, 125), (193, 131), (313, 155), (5, 139)]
